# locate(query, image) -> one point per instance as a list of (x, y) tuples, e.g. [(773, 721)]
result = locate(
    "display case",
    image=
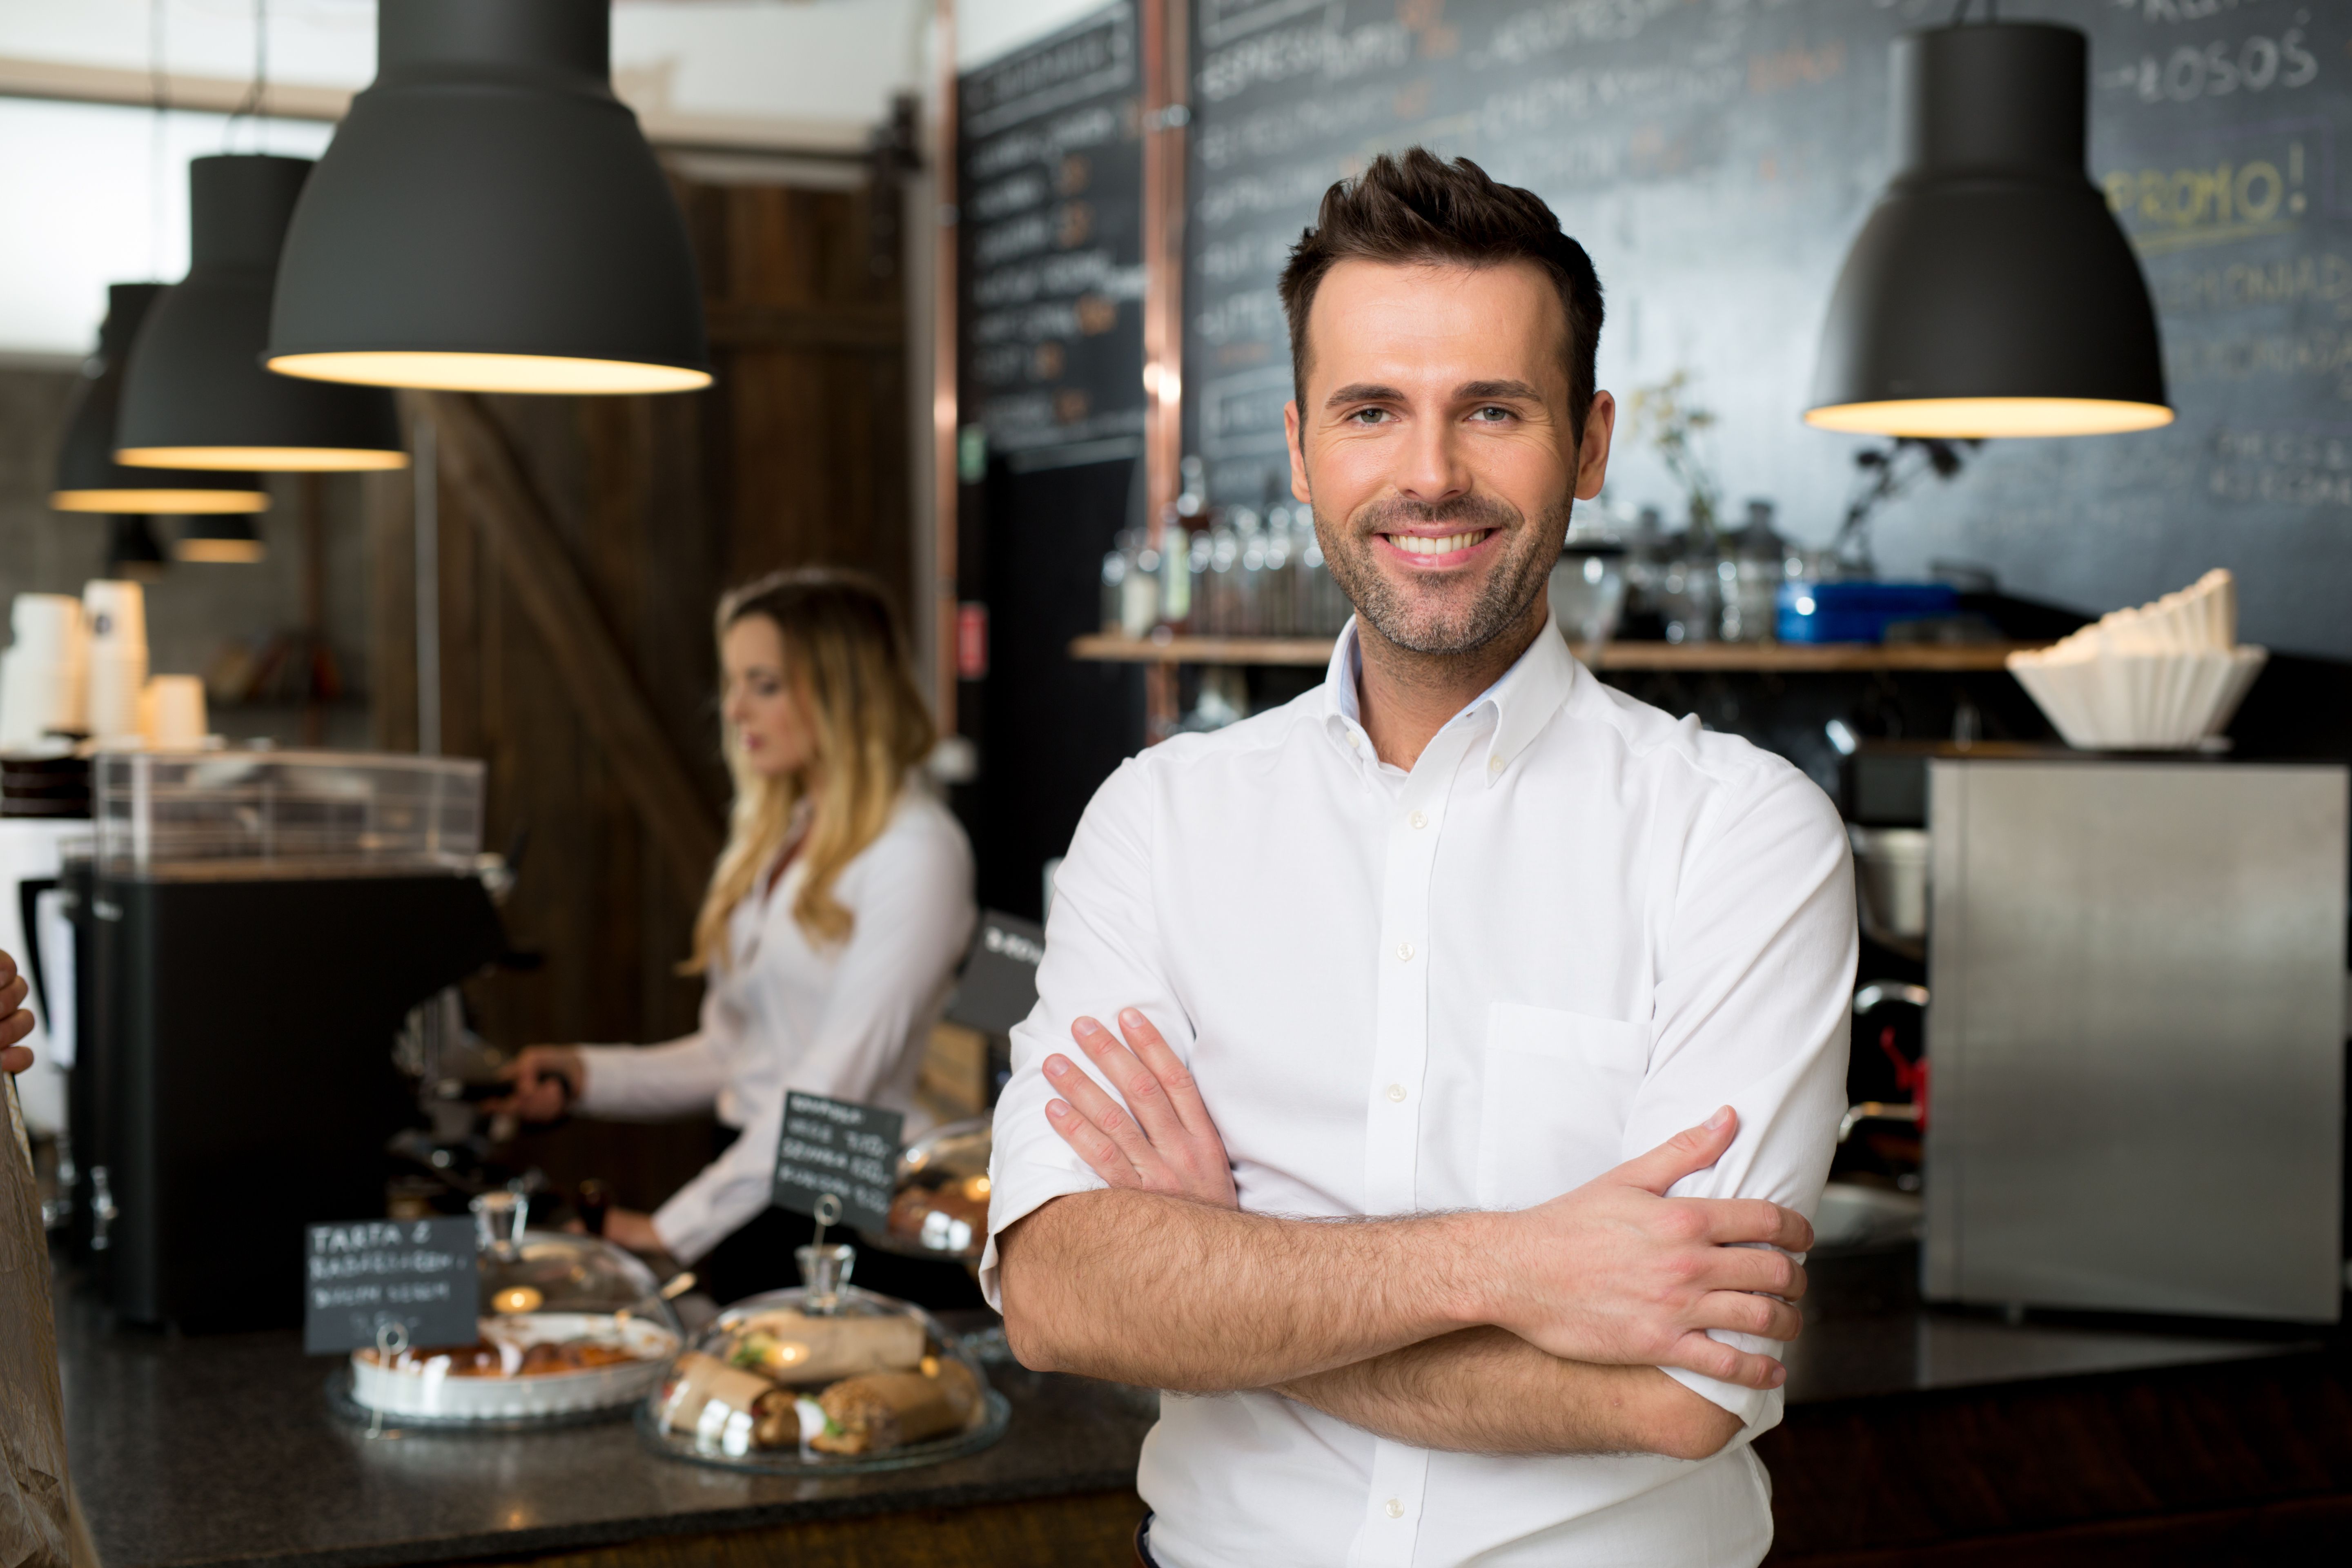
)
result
[(824, 1380), (275, 814), (572, 1327)]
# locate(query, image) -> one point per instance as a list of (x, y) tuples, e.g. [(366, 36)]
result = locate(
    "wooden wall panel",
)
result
[(654, 507)]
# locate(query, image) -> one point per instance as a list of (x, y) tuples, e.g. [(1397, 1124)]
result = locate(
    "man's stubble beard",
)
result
[(1423, 628)]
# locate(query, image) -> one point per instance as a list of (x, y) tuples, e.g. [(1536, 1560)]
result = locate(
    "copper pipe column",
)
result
[(946, 479), (1167, 31)]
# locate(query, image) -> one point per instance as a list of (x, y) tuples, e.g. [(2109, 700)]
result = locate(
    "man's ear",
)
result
[(1593, 455), (1292, 433)]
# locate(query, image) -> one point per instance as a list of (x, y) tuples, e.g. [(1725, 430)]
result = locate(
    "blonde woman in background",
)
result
[(834, 923)]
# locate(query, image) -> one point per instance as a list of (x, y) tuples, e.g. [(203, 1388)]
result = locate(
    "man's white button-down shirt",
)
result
[(1575, 928)]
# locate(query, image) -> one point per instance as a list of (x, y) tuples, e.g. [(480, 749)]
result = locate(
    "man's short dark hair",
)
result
[(1414, 207)]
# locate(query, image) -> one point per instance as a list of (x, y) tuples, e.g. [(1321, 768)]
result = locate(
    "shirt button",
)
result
[(1396, 1093), (1396, 1508), (1355, 740), (1494, 764), (1404, 952), (1418, 820)]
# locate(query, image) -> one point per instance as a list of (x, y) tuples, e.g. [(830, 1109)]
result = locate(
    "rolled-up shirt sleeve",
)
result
[(649, 1083), (912, 901), (1754, 989), (1102, 954)]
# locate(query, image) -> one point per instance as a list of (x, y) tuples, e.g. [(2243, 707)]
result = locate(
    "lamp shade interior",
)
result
[(489, 219), (220, 539), (88, 477), (196, 394), (1991, 292)]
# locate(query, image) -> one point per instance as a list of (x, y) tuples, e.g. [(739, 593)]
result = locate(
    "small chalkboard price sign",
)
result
[(833, 1147), (365, 1276)]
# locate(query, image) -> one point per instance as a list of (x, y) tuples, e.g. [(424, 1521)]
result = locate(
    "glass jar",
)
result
[(940, 1206), (826, 1379), (570, 1326), (1588, 588), (1752, 573)]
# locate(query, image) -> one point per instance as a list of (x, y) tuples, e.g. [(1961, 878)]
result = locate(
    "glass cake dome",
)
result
[(939, 1208), (825, 1379), (570, 1328)]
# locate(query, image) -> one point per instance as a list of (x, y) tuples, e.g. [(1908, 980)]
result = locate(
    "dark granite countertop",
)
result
[(223, 1450)]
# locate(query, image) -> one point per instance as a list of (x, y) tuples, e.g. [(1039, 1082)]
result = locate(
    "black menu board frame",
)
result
[(1050, 246)]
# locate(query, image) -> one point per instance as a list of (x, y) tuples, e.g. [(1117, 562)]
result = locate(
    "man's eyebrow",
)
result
[(1363, 391), (1477, 391)]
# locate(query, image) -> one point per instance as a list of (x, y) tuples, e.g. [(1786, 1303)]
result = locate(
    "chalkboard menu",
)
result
[(1716, 157), (834, 1148), (360, 1276), (1051, 228)]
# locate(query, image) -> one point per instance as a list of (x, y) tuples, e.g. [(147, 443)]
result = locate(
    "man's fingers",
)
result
[(1103, 1113), (1088, 1144), (1147, 1102), (13, 995), (1726, 1364), (1692, 1150), (16, 1027), (1740, 1313), (1754, 1269), (1175, 1078), (1755, 1219), (15, 1059)]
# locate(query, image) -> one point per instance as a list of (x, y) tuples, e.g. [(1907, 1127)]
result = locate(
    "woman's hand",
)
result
[(547, 1080), (1163, 1142), (628, 1228), (15, 1023)]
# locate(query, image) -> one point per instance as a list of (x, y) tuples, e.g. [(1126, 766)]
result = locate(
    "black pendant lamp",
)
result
[(196, 395), (132, 554), (225, 541), (1990, 293), (489, 219), (88, 477)]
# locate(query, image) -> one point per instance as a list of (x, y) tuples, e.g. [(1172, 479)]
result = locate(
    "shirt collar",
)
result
[(1524, 698)]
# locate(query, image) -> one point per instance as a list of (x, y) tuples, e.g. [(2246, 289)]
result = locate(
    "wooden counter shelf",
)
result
[(1695, 657)]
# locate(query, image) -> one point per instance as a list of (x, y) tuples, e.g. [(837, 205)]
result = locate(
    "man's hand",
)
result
[(547, 1080), (1617, 1273), (1169, 1145), (15, 1023), (1613, 1273)]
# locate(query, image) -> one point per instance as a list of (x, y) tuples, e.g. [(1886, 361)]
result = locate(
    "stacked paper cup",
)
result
[(43, 672), (2164, 677), (173, 717), (118, 659)]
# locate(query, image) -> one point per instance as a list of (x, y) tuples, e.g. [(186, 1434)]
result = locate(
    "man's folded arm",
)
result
[(1487, 1391), (1146, 1289)]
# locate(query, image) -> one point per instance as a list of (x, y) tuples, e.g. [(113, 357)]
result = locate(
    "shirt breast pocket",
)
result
[(1559, 1089)]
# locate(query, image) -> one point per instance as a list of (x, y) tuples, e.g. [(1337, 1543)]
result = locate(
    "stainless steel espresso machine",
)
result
[(254, 926), (2137, 968)]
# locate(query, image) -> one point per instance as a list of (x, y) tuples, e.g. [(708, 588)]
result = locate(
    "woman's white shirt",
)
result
[(847, 1020)]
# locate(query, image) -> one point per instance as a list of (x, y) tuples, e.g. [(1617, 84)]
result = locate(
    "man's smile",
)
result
[(1424, 550)]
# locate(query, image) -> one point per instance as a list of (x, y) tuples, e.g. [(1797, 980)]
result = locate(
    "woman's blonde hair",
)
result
[(845, 661)]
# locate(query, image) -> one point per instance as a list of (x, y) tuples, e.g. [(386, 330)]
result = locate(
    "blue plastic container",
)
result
[(1857, 612)]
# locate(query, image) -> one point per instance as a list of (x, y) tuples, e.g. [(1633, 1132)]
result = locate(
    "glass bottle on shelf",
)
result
[(1114, 568), (1690, 589), (1176, 569), (1221, 594), (1274, 586), (1645, 564), (1139, 603), (1752, 571), (1250, 612)]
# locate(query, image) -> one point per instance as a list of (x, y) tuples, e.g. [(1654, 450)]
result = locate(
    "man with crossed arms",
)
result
[(1484, 1030)]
